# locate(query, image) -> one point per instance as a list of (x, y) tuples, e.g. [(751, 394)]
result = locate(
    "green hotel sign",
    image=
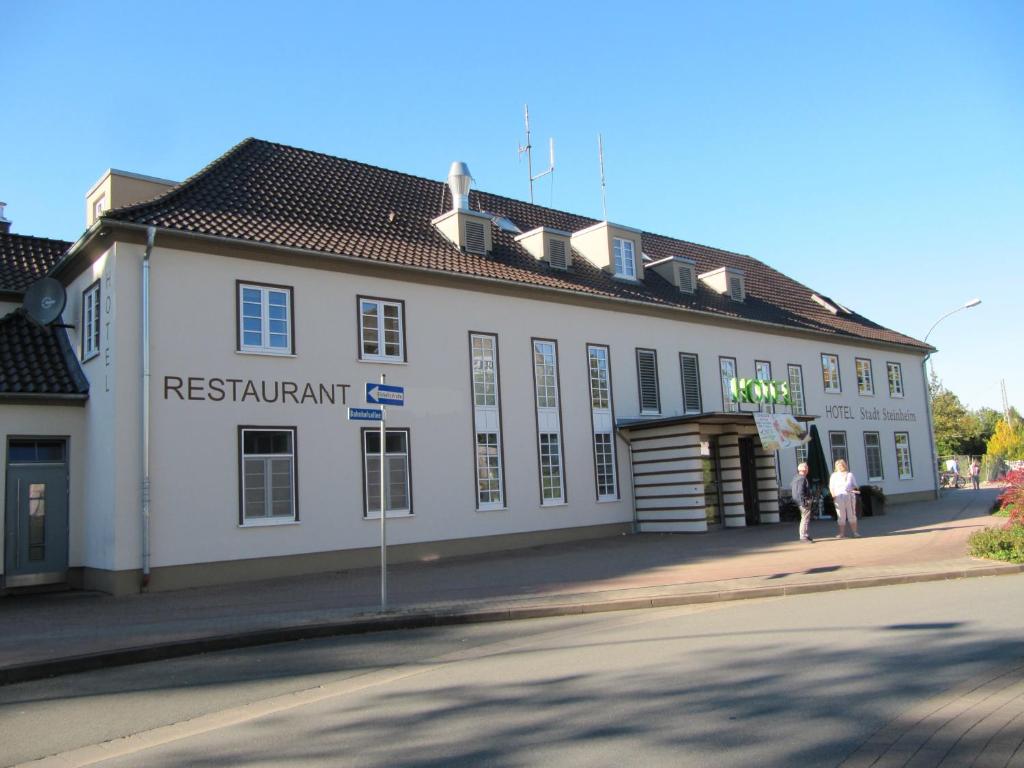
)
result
[(763, 391)]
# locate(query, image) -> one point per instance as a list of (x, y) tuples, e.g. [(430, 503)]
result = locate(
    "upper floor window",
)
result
[(763, 372), (91, 321), (381, 330), (796, 388), (600, 389), (830, 373), (895, 372), (865, 380), (689, 370), (727, 366), (265, 319), (625, 258), (485, 369), (647, 378), (545, 374)]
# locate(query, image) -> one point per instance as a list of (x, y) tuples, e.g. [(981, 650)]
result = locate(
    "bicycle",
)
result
[(952, 480)]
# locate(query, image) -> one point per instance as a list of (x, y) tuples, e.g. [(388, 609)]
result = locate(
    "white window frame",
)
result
[(839, 450), (602, 417), (689, 395), (727, 403), (374, 472), (268, 326), (267, 459), (796, 388), (379, 322), (624, 263), (763, 372), (877, 449), (801, 452), (895, 383), (903, 456), (91, 324), (551, 463), (827, 360), (865, 376), (489, 464)]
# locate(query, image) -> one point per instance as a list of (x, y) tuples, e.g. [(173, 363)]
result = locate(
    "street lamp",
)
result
[(928, 394)]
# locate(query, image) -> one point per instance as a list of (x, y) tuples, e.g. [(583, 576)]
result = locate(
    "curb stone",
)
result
[(420, 619)]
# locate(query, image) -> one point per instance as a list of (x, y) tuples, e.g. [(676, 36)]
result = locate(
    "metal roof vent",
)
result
[(459, 181), (5, 223)]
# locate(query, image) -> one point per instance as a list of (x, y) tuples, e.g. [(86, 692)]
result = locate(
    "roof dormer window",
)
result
[(625, 258), (728, 281)]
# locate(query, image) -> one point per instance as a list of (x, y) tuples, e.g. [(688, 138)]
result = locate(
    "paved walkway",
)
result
[(47, 634)]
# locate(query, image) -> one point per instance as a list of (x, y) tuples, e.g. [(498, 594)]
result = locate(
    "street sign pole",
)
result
[(383, 515)]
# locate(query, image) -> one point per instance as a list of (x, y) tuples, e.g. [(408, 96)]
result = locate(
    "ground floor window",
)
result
[(397, 495), (488, 470), (268, 475), (604, 460), (837, 443), (801, 454), (903, 465), (551, 468), (873, 455)]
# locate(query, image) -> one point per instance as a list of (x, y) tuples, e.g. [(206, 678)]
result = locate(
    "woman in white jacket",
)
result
[(843, 487)]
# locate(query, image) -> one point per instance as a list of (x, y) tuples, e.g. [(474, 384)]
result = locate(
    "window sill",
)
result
[(383, 360), (390, 516), (93, 356), (258, 353), (609, 501), (269, 523), (483, 510), (555, 504), (629, 280)]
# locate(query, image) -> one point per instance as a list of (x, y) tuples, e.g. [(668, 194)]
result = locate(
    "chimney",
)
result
[(469, 231), (5, 224)]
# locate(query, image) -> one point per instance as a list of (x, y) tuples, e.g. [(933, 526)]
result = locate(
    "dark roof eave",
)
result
[(710, 417), (740, 321), (42, 398)]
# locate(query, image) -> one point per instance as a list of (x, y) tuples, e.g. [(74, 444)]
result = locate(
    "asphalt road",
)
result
[(810, 680)]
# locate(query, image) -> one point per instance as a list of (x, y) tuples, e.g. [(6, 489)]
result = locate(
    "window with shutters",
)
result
[(763, 372), (549, 421), (625, 258), (830, 373), (557, 254), (381, 330), (865, 380), (903, 466), (895, 374), (476, 241), (796, 388), (837, 445), (603, 422), (487, 421), (687, 278), (397, 496), (647, 376), (267, 459), (873, 455), (736, 292), (689, 371), (727, 369)]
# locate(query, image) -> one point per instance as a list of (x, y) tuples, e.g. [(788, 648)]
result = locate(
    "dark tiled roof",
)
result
[(24, 259), (37, 361), (270, 193)]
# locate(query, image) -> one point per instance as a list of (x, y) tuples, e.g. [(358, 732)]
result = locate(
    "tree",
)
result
[(1008, 440), (955, 429)]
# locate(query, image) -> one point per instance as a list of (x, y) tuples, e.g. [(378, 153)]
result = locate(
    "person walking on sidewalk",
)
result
[(975, 474), (801, 490), (843, 487)]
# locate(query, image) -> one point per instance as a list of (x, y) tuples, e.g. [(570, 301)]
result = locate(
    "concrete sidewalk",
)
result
[(49, 634)]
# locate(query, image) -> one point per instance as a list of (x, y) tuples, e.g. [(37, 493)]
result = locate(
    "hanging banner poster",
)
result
[(780, 430)]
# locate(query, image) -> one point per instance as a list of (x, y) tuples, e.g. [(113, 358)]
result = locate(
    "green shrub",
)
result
[(999, 544)]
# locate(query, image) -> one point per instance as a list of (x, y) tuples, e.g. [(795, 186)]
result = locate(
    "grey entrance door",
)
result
[(36, 514)]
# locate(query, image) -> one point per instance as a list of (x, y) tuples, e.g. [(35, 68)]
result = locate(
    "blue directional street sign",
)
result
[(384, 394), (365, 414)]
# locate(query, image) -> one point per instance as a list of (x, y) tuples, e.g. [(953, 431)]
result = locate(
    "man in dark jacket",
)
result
[(802, 498)]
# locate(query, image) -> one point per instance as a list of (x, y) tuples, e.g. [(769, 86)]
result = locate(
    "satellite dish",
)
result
[(44, 300)]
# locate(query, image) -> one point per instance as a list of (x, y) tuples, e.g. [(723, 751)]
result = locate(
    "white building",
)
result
[(564, 378)]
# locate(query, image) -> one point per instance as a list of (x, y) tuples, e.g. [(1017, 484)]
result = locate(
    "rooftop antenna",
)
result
[(528, 149), (600, 160)]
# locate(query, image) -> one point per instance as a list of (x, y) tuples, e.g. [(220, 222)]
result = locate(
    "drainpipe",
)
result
[(931, 430), (150, 236)]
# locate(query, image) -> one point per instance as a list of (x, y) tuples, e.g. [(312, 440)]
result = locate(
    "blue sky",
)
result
[(873, 151)]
